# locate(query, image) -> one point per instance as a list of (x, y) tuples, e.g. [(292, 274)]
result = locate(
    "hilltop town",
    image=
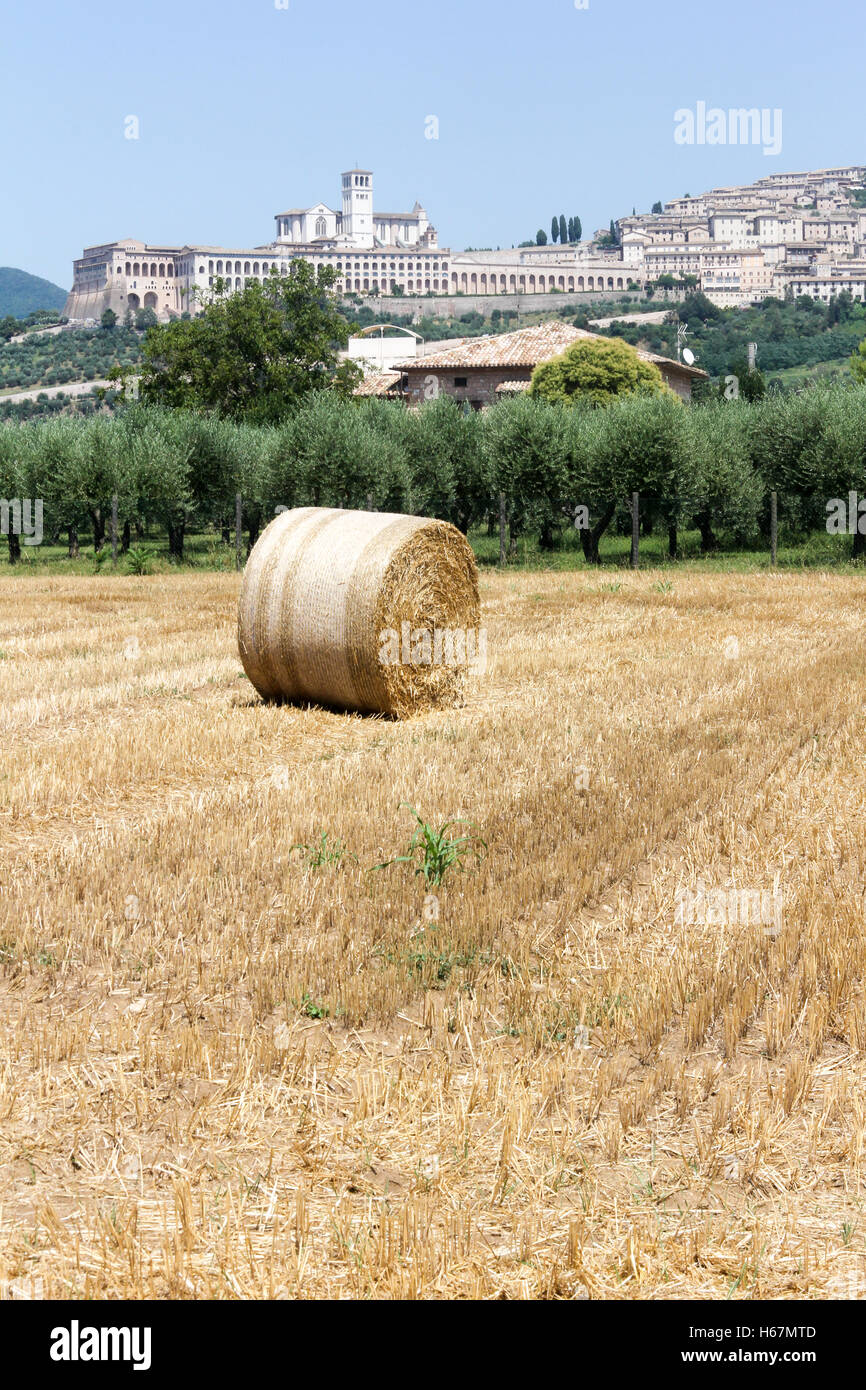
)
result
[(786, 234), (796, 233)]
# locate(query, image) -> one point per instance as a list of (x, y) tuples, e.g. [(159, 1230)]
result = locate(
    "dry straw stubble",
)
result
[(323, 585), (225, 1074)]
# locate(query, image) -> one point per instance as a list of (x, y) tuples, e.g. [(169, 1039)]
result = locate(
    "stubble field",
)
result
[(227, 1070)]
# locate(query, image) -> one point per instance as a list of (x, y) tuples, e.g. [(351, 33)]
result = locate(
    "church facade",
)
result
[(356, 224)]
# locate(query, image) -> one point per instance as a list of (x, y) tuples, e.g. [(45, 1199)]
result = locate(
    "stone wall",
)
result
[(480, 388), (452, 306)]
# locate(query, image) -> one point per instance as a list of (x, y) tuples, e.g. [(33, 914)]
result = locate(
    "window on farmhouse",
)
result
[(461, 381)]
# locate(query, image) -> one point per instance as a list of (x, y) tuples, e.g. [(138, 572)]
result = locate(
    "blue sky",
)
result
[(246, 109)]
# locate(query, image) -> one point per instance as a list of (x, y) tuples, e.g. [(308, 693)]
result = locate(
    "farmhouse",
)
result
[(482, 370)]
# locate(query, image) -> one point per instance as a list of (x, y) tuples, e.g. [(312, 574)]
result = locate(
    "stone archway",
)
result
[(133, 301), (150, 300)]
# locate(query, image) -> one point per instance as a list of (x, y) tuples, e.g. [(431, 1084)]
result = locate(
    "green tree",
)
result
[(563, 232), (446, 461), (698, 306), (159, 445), (109, 318), (527, 453), (11, 479), (593, 371), (253, 355), (554, 229), (541, 237), (578, 230), (217, 468), (639, 447), (786, 446), (750, 382), (100, 470), (656, 207), (857, 363), (722, 490), (840, 451), (331, 456)]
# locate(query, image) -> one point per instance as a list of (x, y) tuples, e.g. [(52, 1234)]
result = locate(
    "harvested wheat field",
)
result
[(234, 1068)]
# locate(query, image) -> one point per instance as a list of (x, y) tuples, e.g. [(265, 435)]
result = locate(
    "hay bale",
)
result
[(325, 592)]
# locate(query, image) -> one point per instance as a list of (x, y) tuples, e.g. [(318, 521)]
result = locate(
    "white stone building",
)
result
[(372, 252), (742, 243), (775, 236)]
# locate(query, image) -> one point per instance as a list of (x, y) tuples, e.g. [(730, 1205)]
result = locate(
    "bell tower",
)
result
[(358, 206)]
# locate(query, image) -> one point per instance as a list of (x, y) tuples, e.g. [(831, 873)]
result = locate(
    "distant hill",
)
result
[(21, 294)]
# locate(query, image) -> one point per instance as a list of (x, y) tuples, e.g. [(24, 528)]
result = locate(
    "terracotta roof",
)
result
[(526, 348), (512, 388), (379, 385)]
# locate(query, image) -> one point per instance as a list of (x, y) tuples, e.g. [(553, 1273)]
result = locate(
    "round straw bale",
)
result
[(336, 607)]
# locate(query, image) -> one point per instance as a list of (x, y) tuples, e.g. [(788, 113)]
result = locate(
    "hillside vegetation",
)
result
[(21, 293), (800, 332), (79, 354)]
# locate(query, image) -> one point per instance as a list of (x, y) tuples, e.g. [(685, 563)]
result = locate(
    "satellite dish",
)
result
[(688, 357)]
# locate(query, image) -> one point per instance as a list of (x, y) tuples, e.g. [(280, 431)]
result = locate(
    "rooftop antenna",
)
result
[(682, 334)]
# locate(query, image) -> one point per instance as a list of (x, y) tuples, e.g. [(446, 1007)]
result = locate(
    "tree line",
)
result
[(536, 465), (567, 231)]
